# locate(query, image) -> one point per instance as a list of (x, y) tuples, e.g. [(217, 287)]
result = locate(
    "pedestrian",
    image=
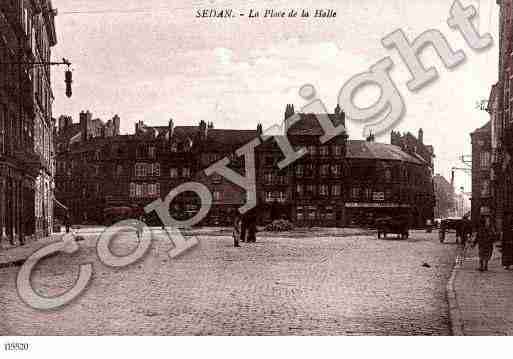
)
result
[(484, 240), (67, 221), (237, 231), (243, 227), (252, 229), (507, 244), (139, 227)]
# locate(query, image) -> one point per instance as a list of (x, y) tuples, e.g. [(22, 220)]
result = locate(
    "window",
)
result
[(336, 190), (299, 171), (355, 193), (140, 169), (156, 169), (485, 159), (299, 189), (217, 196), (312, 150), (216, 178), (367, 193), (119, 170), (388, 175), (329, 213), (323, 190), (132, 190), (485, 188), (268, 178), (276, 196), (335, 170), (151, 152), (378, 196), (325, 170), (310, 170), (337, 150), (310, 189), (186, 172), (324, 151), (173, 172), (299, 213)]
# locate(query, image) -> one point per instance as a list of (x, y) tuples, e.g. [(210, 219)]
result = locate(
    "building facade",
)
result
[(445, 197), (501, 117), (482, 199), (26, 125), (338, 183)]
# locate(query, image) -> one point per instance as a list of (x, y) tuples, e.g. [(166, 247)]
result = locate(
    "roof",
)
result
[(360, 149), (69, 133), (309, 124), (487, 127)]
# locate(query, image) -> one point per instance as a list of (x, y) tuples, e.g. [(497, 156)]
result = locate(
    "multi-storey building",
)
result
[(445, 197), (501, 114), (26, 126), (337, 183), (482, 199)]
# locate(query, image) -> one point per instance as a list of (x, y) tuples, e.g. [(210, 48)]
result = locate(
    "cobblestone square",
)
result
[(325, 285)]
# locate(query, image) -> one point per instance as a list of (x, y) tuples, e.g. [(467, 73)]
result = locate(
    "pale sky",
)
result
[(162, 62)]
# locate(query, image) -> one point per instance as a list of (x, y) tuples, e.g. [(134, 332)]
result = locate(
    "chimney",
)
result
[(203, 131), (85, 125), (259, 130), (117, 122), (210, 125), (62, 123), (289, 111), (371, 137), (421, 136), (139, 127), (170, 128)]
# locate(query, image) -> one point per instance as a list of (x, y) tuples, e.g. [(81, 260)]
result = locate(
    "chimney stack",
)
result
[(117, 122)]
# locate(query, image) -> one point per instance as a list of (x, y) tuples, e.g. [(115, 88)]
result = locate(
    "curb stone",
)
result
[(454, 309)]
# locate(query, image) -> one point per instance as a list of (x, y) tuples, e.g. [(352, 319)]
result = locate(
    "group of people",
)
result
[(244, 229)]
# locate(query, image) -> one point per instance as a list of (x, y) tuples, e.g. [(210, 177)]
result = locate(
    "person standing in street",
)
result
[(237, 231), (67, 221), (507, 244), (484, 240)]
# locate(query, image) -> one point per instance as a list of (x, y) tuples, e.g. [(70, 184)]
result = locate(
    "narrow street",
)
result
[(290, 286)]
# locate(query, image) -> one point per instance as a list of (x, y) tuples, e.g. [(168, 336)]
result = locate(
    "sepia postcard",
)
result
[(255, 168)]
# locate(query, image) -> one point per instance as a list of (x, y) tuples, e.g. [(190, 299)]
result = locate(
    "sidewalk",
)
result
[(16, 256), (481, 303)]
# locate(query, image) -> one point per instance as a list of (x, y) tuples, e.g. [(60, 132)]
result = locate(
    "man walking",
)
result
[(484, 240)]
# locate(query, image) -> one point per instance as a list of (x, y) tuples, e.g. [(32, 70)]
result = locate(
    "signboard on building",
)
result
[(378, 196), (376, 205)]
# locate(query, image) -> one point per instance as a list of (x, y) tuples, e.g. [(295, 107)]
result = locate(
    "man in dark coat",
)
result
[(484, 240), (67, 221), (507, 243)]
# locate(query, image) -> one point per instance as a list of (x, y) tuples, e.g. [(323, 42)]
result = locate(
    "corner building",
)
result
[(26, 125)]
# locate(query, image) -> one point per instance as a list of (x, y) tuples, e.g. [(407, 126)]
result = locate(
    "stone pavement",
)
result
[(277, 286), (482, 302), (16, 255)]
